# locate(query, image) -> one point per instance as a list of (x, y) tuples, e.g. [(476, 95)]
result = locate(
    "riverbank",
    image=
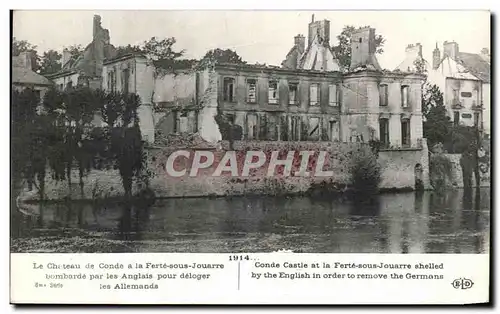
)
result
[(345, 193)]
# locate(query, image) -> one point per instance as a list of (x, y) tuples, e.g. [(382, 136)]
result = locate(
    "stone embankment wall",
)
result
[(457, 176), (397, 167)]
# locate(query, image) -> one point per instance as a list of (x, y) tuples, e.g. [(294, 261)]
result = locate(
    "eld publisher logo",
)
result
[(462, 283)]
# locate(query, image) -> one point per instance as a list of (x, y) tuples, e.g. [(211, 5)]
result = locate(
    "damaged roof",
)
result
[(21, 75), (476, 64)]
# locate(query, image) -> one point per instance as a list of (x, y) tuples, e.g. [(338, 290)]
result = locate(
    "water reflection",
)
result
[(422, 222)]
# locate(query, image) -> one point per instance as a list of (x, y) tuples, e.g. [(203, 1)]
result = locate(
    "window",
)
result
[(251, 126), (384, 95), (61, 86), (292, 94), (295, 127), (455, 97), (476, 119), (334, 130), (456, 118), (38, 95), (405, 97), (229, 89), (313, 94), (251, 90), (273, 128), (466, 94), (230, 118), (125, 80), (405, 132), (333, 97), (183, 122), (69, 84), (111, 81), (273, 92), (314, 129), (384, 132), (175, 127)]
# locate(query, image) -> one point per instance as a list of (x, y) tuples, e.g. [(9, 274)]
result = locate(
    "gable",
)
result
[(319, 56)]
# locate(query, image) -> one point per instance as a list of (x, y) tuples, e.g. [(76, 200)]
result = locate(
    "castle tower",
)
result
[(320, 29), (363, 49)]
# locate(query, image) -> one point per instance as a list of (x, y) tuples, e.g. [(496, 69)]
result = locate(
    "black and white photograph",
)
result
[(250, 132)]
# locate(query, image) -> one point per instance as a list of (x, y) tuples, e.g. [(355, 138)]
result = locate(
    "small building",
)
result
[(24, 77), (464, 78)]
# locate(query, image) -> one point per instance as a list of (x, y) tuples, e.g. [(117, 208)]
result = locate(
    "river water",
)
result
[(426, 222)]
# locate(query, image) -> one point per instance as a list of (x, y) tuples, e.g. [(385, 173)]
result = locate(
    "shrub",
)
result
[(440, 168), (365, 172)]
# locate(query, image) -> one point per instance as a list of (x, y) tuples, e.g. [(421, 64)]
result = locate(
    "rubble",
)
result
[(183, 140)]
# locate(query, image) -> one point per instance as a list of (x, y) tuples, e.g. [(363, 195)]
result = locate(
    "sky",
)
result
[(257, 36)]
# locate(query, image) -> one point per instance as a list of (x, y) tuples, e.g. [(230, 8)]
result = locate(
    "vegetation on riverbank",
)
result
[(365, 177), (453, 138), (58, 134), (441, 171)]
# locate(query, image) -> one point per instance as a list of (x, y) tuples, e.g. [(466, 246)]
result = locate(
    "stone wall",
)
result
[(398, 171), (399, 168), (257, 182)]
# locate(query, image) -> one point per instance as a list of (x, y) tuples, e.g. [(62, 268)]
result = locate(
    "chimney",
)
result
[(436, 57), (66, 55), (363, 49), (25, 60), (96, 26), (414, 50), (300, 43), (320, 29), (450, 49)]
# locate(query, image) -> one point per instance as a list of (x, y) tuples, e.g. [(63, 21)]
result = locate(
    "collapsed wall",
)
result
[(209, 130)]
